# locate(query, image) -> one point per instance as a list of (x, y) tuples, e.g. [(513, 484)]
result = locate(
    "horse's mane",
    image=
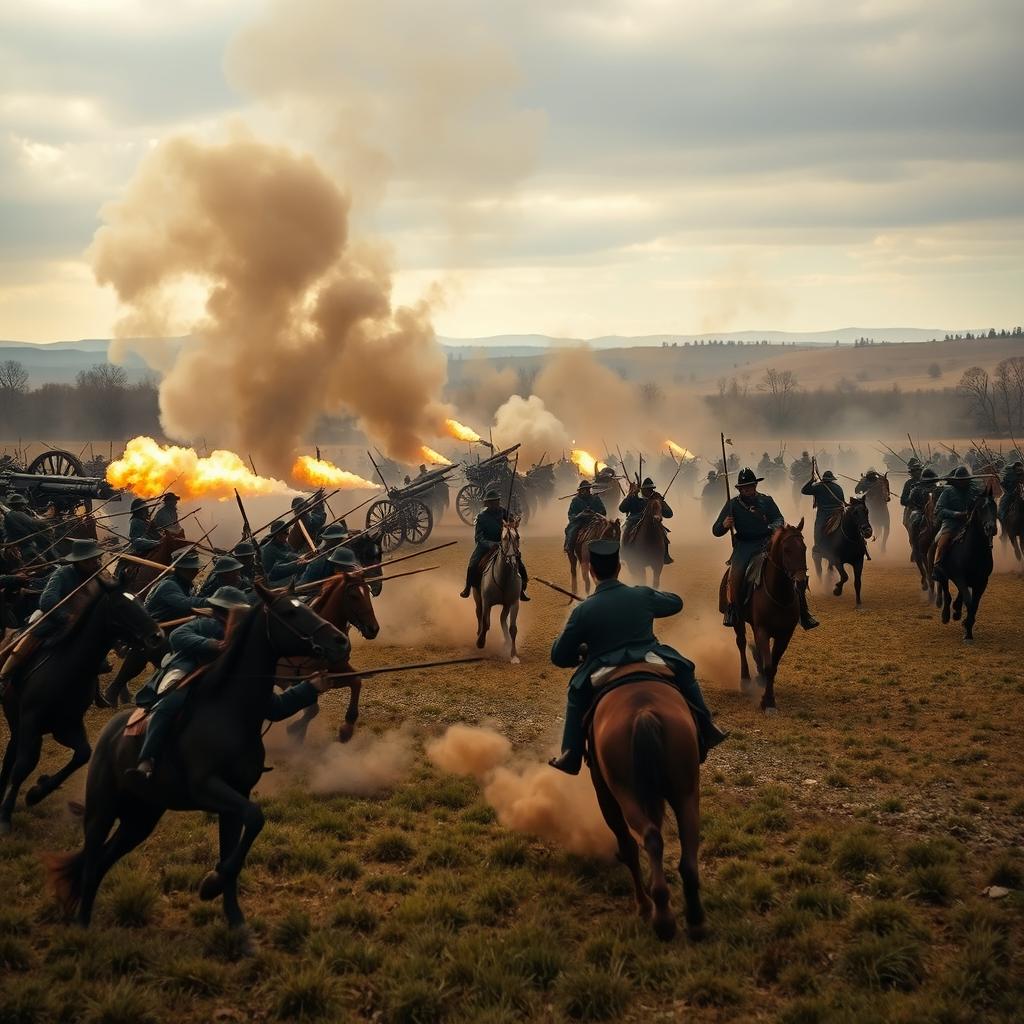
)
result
[(241, 623)]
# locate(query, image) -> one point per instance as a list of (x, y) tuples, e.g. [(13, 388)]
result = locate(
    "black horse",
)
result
[(211, 763), (846, 545), (366, 547), (969, 564), (52, 693)]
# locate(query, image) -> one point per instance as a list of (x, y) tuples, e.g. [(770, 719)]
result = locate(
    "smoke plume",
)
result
[(529, 798), (298, 319), (365, 766), (529, 422)]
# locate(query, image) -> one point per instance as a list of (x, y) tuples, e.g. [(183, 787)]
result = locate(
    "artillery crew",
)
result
[(21, 527), (752, 518), (582, 508), (828, 501), (487, 536), (634, 503)]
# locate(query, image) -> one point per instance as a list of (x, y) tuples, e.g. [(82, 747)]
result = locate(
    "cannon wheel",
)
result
[(469, 502), (56, 463), (384, 517), (417, 521)]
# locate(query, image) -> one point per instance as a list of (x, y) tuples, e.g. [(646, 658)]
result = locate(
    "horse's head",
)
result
[(510, 538), (788, 551), (613, 530), (131, 623), (345, 601), (857, 514), (368, 550), (983, 514), (294, 629)]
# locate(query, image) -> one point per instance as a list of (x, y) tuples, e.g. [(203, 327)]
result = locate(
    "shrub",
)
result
[(124, 1002), (291, 932), (592, 994), (858, 854), (133, 900), (935, 884), (822, 901), (194, 975), (710, 988), (415, 1001), (884, 917), (391, 847), (307, 993), (885, 962)]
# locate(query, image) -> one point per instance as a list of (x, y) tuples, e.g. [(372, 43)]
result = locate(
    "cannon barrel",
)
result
[(78, 486)]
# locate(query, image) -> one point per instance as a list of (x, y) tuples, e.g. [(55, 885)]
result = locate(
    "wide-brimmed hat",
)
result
[(277, 526), (17, 499), (492, 495), (961, 473), (583, 485), (929, 472), (226, 563), (297, 501), (189, 560), (84, 549), (336, 531), (170, 496), (913, 462), (243, 548), (748, 476), (828, 475), (139, 503), (343, 558), (228, 597), (647, 484), (603, 548)]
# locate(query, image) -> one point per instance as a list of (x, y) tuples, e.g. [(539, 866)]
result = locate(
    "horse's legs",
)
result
[(656, 575), (977, 592), (230, 829), (741, 644), (297, 729), (75, 739), (483, 619), (816, 558), (843, 578), (958, 603), (348, 727), (513, 631), (30, 743), (778, 650), (885, 536), (629, 852), (11, 750), (134, 662), (858, 569), (762, 653), (688, 821), (572, 571), (944, 599)]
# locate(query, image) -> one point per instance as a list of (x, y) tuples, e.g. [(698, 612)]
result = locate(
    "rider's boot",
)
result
[(807, 620), (468, 588), (571, 759), (729, 619)]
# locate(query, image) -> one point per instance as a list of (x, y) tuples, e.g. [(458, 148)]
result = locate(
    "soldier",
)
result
[(197, 643), (765, 465), (915, 469), (166, 516), (81, 562), (226, 572), (487, 536), (801, 468), (20, 526), (332, 538), (709, 496), (275, 549), (245, 552), (311, 512), (171, 597), (633, 504), (585, 505), (828, 500), (918, 499), (1013, 477), (612, 627), (140, 530), (753, 517), (952, 508)]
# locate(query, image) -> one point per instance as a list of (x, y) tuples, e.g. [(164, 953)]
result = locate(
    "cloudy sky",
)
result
[(576, 168)]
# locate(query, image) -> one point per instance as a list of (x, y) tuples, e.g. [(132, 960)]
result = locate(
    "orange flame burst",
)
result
[(460, 431), (435, 457), (148, 469), (586, 463), (321, 473), (679, 451)]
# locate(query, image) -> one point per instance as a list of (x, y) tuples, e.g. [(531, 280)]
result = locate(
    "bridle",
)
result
[(315, 649), (348, 581), (794, 578)]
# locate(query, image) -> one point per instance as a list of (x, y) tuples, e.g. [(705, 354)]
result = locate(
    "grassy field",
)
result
[(846, 843)]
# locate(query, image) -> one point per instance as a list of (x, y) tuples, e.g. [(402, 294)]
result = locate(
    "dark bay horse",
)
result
[(51, 694), (643, 544), (845, 545), (595, 528), (138, 576), (773, 609), (877, 496), (1013, 523), (969, 564), (644, 754), (344, 602), (922, 530), (211, 763)]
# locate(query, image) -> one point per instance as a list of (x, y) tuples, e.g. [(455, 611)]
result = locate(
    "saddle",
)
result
[(752, 577), (833, 522), (486, 559), (136, 724)]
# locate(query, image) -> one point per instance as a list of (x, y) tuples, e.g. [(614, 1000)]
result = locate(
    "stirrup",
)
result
[(567, 762), (143, 771)]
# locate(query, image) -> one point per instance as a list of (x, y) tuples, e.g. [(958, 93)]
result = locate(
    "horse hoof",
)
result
[(697, 932), (514, 660), (770, 711), (836, 592), (968, 639), (211, 886), (345, 731), (665, 927), (35, 794), (480, 641)]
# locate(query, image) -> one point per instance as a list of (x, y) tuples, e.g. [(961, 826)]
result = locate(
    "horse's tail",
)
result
[(648, 756), (64, 873)]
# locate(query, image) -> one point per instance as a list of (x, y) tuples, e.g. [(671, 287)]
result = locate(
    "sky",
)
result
[(577, 168)]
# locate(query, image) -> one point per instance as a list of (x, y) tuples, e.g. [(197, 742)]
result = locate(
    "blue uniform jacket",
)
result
[(754, 526), (169, 599), (634, 504), (139, 532), (487, 532), (827, 497), (164, 517), (951, 502), (617, 624), (272, 554)]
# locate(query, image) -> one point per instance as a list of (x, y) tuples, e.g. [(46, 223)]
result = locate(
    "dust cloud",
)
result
[(425, 611), (527, 797), (368, 764), (528, 420)]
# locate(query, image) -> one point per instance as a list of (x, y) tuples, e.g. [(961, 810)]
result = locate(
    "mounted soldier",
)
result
[(634, 503), (332, 539), (226, 572), (141, 533), (614, 627), (875, 488), (917, 501), (166, 516), (915, 469), (487, 537), (582, 508), (311, 513), (829, 502), (172, 597), (22, 528), (245, 552), (709, 496), (80, 563), (764, 467), (801, 468), (952, 509), (1013, 477), (753, 518), (275, 549)]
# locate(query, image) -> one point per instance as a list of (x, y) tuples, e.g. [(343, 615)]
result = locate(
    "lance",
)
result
[(728, 489), (307, 505), (165, 569), (246, 528), (913, 447), (897, 455), (679, 466), (53, 526), (604, 490), (511, 484), (391, 668), (560, 590), (373, 579), (253, 466), (171, 623)]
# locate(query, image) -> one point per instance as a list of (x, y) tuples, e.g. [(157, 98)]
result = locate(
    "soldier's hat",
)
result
[(17, 500), (647, 484), (228, 598), (712, 474), (277, 526), (828, 475), (605, 548), (492, 495), (189, 560), (913, 462), (138, 503), (961, 473), (871, 474), (929, 473), (170, 497), (805, 455), (83, 549), (336, 531), (244, 548), (226, 564), (583, 484), (344, 558), (748, 476), (298, 500)]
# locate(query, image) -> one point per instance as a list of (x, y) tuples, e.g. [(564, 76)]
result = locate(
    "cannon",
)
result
[(496, 472), (56, 476), (408, 513)]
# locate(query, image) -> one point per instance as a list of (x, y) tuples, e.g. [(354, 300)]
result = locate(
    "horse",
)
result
[(643, 543), (138, 576), (877, 496), (366, 547), (969, 564), (922, 532), (500, 584), (1013, 522), (597, 527), (343, 601), (845, 545), (644, 753), (773, 610), (211, 763), (53, 691)]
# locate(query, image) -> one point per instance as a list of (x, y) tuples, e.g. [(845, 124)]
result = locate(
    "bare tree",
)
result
[(781, 387), (976, 387), (13, 377), (102, 377), (651, 392), (1008, 387)]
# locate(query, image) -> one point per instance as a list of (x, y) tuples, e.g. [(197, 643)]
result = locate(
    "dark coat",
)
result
[(754, 525), (169, 599), (827, 497)]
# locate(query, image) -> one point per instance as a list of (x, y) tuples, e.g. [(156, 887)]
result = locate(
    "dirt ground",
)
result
[(846, 843)]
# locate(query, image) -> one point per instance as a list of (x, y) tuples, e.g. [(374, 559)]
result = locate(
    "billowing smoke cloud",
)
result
[(529, 422), (530, 798), (298, 319)]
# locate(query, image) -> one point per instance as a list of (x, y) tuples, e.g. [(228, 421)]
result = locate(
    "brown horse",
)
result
[(1013, 522), (773, 610), (596, 528), (643, 543), (643, 753), (922, 531), (135, 575), (344, 601)]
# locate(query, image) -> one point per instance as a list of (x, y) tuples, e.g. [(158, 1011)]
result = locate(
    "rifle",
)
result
[(560, 590), (679, 466), (379, 473), (728, 489)]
